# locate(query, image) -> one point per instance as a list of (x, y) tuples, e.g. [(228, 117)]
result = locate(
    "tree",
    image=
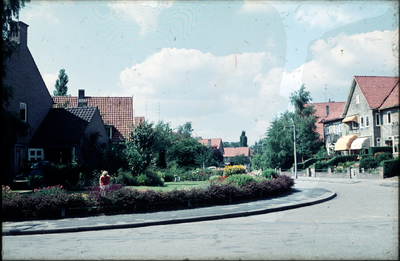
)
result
[(61, 84), (139, 147), (278, 146), (240, 160), (243, 139), (163, 140), (185, 130), (188, 153)]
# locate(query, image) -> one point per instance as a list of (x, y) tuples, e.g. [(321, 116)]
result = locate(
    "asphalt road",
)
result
[(360, 223)]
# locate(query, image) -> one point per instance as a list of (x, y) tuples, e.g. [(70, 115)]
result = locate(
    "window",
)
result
[(334, 129), (358, 98), (366, 121), (339, 128), (355, 125), (377, 119), (361, 122), (389, 117), (378, 142), (23, 111), (109, 131), (35, 154)]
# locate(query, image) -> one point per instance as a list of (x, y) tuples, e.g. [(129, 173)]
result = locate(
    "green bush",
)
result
[(215, 177), (369, 163), (381, 156), (373, 150), (125, 177), (335, 161), (153, 178), (240, 179), (61, 174), (309, 162), (267, 173), (36, 181), (390, 167)]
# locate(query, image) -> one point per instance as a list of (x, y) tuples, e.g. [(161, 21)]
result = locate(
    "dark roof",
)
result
[(115, 111), (62, 127)]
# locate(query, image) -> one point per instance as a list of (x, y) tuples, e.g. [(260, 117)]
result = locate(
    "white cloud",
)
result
[(144, 13), (336, 60), (220, 94), (50, 80)]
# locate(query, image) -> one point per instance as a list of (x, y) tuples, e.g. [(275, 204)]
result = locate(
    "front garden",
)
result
[(221, 186)]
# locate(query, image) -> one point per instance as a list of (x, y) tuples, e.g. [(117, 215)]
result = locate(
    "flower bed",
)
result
[(121, 199)]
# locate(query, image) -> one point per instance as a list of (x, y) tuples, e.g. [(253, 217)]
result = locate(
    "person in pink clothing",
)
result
[(104, 181)]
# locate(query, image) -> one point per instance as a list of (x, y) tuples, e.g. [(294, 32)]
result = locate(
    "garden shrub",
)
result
[(64, 174), (235, 169), (390, 167), (240, 179), (324, 164), (122, 198), (373, 150), (153, 178), (35, 181), (381, 156), (142, 180), (269, 173), (124, 177), (307, 163), (369, 163)]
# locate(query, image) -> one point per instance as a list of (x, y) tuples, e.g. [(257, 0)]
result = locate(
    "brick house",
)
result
[(370, 115), (117, 112), (31, 100), (213, 143), (60, 136), (326, 111), (229, 153)]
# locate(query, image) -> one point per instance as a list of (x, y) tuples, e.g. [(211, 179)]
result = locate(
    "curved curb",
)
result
[(17, 232)]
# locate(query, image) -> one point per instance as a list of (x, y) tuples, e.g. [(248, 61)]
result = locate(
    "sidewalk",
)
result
[(301, 195)]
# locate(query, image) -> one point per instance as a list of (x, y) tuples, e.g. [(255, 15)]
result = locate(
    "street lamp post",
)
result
[(294, 141)]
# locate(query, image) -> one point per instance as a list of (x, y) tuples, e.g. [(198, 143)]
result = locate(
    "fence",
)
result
[(349, 173)]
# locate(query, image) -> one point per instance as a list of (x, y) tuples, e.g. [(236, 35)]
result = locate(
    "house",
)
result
[(332, 125), (229, 153), (117, 112), (60, 136), (326, 111), (213, 143), (370, 115), (31, 99)]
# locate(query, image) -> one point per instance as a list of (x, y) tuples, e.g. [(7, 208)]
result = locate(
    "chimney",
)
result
[(81, 99), (209, 143), (22, 36), (327, 110)]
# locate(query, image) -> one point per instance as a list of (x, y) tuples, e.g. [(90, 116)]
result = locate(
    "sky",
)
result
[(225, 66)]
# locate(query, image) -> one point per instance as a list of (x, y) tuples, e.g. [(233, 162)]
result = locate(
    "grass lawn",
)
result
[(175, 185)]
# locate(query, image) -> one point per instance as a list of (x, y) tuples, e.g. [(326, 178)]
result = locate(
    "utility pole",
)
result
[(294, 141)]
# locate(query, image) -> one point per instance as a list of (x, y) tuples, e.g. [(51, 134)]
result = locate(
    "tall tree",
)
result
[(243, 139), (278, 146), (185, 130), (61, 84)]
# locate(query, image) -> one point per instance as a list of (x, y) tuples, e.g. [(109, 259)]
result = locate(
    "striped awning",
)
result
[(344, 142), (350, 119), (360, 143)]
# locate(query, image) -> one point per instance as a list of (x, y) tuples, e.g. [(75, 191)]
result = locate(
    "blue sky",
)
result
[(226, 66)]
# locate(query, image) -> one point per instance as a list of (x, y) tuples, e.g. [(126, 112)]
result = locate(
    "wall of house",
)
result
[(97, 125), (389, 129), (332, 132), (30, 88)]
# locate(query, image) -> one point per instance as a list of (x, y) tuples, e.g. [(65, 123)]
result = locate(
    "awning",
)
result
[(350, 119), (344, 142), (360, 143)]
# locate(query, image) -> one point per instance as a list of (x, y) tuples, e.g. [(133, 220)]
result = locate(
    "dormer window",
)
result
[(23, 111)]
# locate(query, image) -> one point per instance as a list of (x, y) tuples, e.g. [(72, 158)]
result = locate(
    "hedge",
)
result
[(335, 161), (121, 199), (373, 150), (308, 162), (369, 163), (390, 167)]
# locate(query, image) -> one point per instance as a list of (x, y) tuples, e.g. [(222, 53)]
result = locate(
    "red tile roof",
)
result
[(232, 152), (217, 142), (393, 98), (377, 89), (116, 111), (335, 111)]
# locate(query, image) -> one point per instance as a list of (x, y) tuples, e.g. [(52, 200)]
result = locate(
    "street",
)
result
[(360, 223)]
